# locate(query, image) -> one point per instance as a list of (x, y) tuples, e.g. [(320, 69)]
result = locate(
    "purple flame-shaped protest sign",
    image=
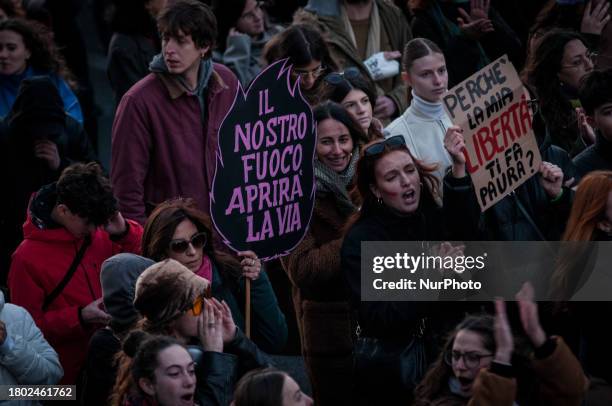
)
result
[(263, 190)]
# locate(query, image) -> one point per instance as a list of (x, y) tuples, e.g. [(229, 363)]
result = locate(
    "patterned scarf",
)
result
[(329, 181)]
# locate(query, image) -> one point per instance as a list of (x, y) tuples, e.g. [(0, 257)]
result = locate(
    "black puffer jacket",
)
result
[(218, 372), (38, 112)]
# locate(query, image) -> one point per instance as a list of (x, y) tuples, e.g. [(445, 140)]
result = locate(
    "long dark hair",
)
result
[(366, 176), (540, 73), (44, 55), (335, 111), (260, 387), (337, 93), (302, 44), (435, 382), (139, 360), (162, 223)]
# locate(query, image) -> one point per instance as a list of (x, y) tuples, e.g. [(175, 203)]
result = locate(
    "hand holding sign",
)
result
[(251, 265), (455, 145), (551, 179), (263, 190), (501, 151)]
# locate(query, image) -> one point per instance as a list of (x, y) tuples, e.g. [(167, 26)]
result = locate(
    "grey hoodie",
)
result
[(118, 278)]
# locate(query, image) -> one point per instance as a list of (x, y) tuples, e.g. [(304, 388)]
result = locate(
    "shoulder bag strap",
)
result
[(73, 267)]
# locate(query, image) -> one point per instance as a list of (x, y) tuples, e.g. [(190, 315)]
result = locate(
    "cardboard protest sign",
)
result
[(501, 150), (263, 190)]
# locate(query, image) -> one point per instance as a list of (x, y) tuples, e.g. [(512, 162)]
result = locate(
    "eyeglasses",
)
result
[(253, 14), (470, 359), (315, 73), (197, 241), (336, 78), (582, 62), (379, 147)]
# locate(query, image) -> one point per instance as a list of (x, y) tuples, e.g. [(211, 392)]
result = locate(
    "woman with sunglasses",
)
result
[(307, 53), (480, 365), (319, 293), (425, 122), (400, 202), (174, 302), (554, 71), (353, 91), (177, 229)]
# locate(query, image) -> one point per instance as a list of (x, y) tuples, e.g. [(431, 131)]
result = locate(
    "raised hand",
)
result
[(504, 341), (477, 23), (455, 145), (586, 131), (210, 330), (595, 17), (529, 315), (551, 179), (228, 327)]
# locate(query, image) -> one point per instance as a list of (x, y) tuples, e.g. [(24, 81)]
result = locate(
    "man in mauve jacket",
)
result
[(164, 137), (63, 233)]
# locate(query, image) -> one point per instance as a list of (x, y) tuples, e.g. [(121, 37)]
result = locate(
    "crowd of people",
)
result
[(115, 280)]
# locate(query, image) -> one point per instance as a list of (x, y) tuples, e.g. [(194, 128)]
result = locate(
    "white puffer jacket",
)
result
[(30, 360)]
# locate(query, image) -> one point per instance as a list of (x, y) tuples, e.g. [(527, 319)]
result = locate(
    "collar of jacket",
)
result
[(176, 90)]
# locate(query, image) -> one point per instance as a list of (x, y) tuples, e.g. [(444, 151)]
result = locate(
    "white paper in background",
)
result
[(381, 68)]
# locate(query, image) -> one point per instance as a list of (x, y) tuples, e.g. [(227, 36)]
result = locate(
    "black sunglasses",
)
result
[(197, 241), (379, 147), (336, 78)]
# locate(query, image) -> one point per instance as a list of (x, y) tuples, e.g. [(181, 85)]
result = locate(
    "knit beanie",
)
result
[(118, 278), (165, 290)]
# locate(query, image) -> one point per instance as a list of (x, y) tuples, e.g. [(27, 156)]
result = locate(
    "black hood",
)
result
[(38, 110)]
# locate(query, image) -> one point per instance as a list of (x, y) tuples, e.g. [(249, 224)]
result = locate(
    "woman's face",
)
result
[(334, 144), (185, 327), (428, 77), (575, 64), (358, 104), (469, 357), (292, 395), (174, 378), (251, 21), (13, 53), (191, 257), (398, 183), (308, 74)]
